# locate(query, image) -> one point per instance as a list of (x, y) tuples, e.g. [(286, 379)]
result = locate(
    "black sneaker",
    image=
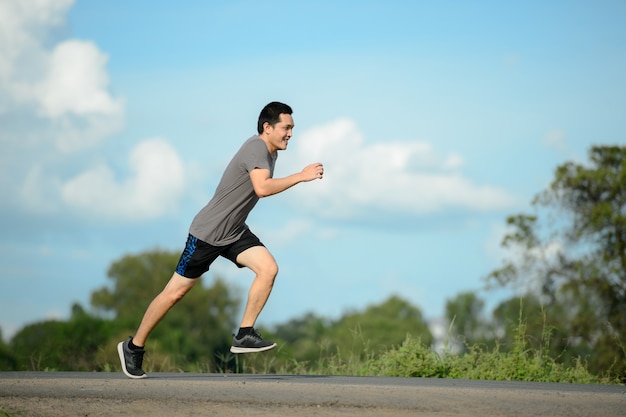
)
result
[(131, 360), (251, 343)]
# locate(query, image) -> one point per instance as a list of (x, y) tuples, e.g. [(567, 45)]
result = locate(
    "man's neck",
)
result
[(269, 146)]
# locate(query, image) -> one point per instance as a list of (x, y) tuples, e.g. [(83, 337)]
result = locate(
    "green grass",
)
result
[(414, 359)]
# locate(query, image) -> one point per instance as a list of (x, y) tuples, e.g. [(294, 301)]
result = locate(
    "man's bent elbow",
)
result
[(262, 193)]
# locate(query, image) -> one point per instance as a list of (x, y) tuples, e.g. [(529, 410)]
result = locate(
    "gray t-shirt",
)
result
[(223, 220)]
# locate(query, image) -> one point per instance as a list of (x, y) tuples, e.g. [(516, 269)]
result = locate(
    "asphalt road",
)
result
[(50, 394)]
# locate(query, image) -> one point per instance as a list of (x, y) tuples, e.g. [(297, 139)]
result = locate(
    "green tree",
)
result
[(465, 313), (305, 337), (7, 358), (573, 253), (195, 334), (62, 345), (311, 339), (379, 327)]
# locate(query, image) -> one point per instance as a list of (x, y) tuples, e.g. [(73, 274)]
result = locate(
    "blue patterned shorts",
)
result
[(198, 255)]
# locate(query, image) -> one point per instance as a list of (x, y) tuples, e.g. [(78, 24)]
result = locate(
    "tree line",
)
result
[(567, 269)]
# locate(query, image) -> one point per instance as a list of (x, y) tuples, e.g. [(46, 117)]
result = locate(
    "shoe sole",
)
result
[(239, 349), (120, 352)]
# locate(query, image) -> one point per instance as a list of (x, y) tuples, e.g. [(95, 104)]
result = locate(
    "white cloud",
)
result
[(388, 177), (58, 87), (76, 81), (153, 189), (55, 108), (26, 26)]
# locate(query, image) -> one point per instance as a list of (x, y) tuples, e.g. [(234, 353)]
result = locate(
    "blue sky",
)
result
[(434, 121)]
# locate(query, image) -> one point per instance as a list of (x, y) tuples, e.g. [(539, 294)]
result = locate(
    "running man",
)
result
[(220, 229)]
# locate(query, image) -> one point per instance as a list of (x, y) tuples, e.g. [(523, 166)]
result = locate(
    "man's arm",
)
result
[(265, 186)]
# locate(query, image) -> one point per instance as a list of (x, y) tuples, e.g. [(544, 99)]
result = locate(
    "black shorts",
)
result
[(198, 255)]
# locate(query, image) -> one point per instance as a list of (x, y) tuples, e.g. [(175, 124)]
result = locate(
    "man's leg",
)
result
[(131, 350), (263, 264), (175, 290)]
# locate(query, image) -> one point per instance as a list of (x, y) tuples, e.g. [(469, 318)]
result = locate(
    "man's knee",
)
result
[(269, 270), (260, 261), (177, 288)]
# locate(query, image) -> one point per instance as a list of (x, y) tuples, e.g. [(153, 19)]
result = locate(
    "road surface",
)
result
[(51, 394)]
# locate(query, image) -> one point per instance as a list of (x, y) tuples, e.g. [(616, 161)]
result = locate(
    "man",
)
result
[(219, 229)]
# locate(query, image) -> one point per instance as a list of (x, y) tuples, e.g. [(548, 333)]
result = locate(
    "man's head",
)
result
[(271, 114), (275, 125)]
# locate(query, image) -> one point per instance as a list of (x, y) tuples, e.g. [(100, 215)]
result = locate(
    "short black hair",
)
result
[(271, 114)]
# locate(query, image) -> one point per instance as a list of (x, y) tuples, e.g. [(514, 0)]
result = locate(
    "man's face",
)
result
[(279, 134)]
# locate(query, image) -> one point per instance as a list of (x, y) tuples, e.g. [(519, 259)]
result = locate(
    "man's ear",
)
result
[(266, 127)]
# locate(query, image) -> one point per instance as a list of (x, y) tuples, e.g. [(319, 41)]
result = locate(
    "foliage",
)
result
[(520, 354), (467, 324), (380, 326), (58, 345), (573, 255), (8, 362), (413, 358), (524, 351), (305, 338), (356, 333)]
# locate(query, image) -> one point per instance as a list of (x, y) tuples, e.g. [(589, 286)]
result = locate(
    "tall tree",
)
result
[(574, 251)]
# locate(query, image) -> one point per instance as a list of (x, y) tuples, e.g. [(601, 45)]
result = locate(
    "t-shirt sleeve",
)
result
[(256, 156)]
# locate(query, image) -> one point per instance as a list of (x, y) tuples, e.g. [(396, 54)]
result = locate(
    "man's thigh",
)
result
[(258, 259)]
